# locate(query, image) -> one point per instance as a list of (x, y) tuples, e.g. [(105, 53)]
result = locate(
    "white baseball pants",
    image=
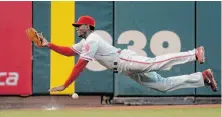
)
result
[(142, 69)]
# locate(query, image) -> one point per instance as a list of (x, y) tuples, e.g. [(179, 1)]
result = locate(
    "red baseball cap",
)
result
[(85, 20)]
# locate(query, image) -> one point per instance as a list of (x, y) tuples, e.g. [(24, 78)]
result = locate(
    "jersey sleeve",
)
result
[(89, 50), (78, 47)]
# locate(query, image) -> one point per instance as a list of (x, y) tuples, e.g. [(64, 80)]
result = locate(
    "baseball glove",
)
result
[(34, 36)]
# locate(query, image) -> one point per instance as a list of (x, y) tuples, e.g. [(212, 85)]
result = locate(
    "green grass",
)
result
[(183, 112)]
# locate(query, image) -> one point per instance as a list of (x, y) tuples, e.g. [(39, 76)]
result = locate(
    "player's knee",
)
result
[(163, 89)]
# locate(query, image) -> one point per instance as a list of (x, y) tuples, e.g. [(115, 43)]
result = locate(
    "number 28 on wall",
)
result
[(169, 38)]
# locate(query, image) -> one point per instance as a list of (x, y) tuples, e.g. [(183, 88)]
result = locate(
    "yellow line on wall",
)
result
[(62, 33)]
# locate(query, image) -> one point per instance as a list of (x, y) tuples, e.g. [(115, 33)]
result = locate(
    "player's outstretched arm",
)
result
[(79, 67), (66, 51)]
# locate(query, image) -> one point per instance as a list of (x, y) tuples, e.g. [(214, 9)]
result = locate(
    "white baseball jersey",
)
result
[(96, 48)]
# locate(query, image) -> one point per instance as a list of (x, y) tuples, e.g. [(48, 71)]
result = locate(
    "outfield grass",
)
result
[(182, 112)]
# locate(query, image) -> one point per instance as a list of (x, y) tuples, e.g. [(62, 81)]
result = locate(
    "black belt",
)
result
[(115, 67)]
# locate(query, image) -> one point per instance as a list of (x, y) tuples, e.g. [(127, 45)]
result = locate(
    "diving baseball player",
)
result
[(139, 68)]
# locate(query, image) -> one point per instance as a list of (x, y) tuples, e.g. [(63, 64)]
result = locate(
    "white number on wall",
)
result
[(157, 40), (138, 38)]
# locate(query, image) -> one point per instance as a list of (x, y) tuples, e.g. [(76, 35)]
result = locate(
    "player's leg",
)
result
[(169, 60), (163, 62), (157, 82)]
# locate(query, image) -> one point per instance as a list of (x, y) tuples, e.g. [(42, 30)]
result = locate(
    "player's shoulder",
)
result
[(93, 37), (82, 41)]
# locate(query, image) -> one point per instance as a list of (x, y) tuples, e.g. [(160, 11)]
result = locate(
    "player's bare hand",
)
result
[(56, 89), (44, 41)]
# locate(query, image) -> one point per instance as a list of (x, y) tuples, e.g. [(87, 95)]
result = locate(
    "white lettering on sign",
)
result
[(11, 78)]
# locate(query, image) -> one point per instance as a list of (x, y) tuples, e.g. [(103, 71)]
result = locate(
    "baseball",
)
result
[(75, 96)]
